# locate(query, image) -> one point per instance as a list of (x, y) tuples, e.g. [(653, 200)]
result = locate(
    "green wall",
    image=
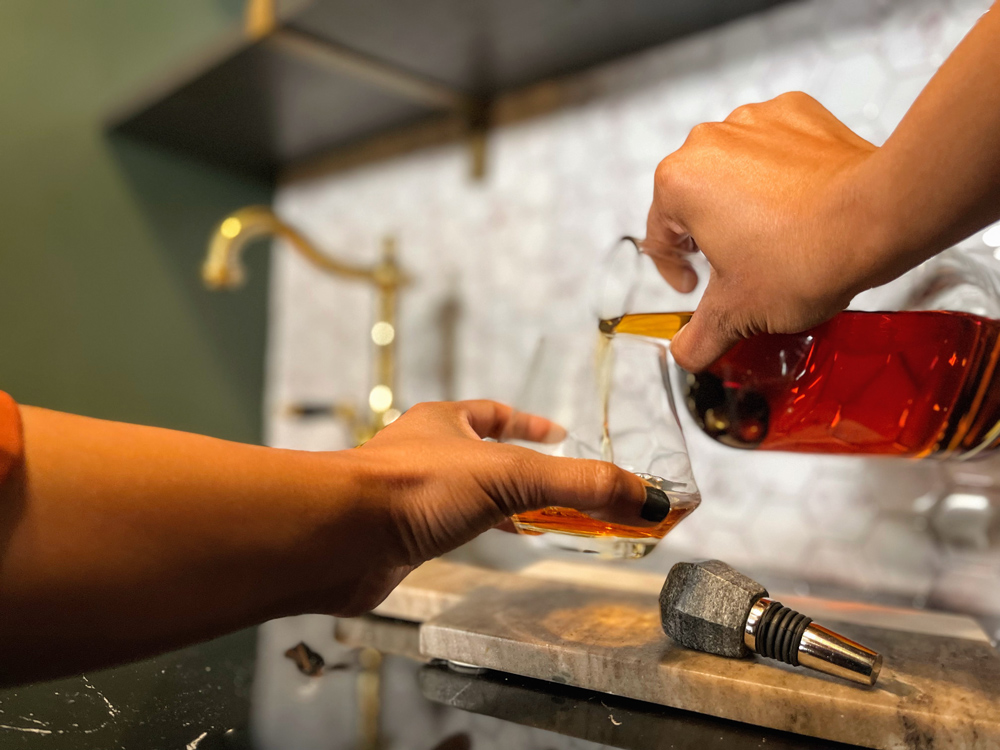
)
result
[(101, 311)]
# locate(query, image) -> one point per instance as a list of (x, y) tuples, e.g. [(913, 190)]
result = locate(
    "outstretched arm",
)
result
[(797, 214), (118, 541)]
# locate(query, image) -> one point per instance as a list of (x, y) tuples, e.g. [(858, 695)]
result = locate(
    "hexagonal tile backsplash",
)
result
[(495, 260)]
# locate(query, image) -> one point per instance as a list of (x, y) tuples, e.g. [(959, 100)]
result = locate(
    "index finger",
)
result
[(489, 419)]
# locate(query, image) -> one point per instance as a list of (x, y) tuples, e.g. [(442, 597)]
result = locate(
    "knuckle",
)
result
[(701, 131), (670, 175), (745, 113), (607, 479), (448, 408), (702, 136), (721, 321), (723, 324), (518, 487), (434, 413), (742, 327), (794, 97), (664, 172)]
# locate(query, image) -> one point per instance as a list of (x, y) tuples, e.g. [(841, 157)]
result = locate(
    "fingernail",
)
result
[(657, 505)]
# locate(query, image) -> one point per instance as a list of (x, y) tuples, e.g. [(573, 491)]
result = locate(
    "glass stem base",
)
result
[(605, 547)]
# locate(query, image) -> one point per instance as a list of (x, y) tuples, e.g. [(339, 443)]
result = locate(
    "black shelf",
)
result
[(255, 107)]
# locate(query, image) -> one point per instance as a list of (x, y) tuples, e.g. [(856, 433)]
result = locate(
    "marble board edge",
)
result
[(479, 631)]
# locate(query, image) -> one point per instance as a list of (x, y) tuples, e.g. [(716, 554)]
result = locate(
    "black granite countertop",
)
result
[(198, 697), (243, 692)]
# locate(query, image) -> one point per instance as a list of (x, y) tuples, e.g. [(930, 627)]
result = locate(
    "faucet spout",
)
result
[(223, 266), (223, 269)]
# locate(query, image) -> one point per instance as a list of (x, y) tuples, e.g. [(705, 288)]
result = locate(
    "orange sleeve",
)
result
[(11, 435)]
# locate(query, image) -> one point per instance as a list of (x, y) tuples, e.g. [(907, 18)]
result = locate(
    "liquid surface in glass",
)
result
[(918, 384)]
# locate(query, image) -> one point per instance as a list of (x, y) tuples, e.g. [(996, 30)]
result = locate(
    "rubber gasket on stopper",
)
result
[(779, 633), (764, 628)]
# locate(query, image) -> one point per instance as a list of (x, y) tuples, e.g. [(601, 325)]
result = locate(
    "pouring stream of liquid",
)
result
[(657, 325)]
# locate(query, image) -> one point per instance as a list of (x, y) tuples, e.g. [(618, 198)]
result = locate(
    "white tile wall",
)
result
[(514, 252)]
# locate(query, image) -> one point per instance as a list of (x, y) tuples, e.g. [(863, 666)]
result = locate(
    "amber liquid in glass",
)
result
[(569, 521), (917, 384)]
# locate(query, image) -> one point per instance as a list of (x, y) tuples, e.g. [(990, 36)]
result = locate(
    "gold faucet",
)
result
[(223, 269)]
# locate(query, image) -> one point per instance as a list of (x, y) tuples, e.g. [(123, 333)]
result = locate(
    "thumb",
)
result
[(597, 488), (708, 335)]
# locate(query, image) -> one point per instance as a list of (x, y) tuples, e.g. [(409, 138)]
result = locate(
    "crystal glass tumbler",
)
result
[(612, 396)]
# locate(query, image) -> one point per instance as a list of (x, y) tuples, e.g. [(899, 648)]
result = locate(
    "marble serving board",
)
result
[(581, 625), (440, 584)]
